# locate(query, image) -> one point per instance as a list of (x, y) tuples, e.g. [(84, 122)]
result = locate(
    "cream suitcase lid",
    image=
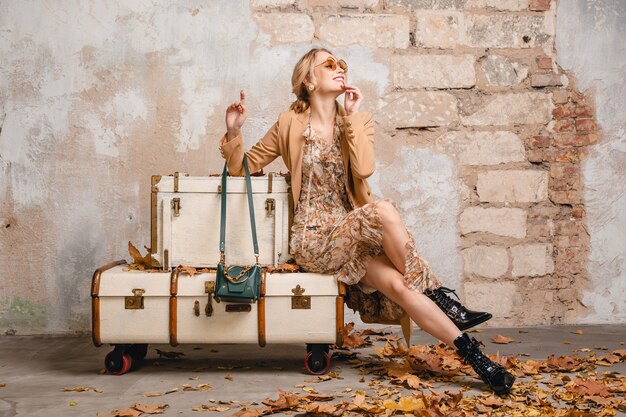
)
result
[(117, 282), (281, 284), (186, 184)]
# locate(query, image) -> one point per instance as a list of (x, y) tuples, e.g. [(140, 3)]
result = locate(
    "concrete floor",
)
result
[(36, 369)]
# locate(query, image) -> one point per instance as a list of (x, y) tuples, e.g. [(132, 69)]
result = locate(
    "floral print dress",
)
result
[(329, 237)]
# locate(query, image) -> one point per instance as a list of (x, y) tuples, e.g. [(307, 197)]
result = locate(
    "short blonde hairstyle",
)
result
[(304, 68)]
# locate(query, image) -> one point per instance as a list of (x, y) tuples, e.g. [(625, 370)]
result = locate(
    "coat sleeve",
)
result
[(261, 154), (360, 137)]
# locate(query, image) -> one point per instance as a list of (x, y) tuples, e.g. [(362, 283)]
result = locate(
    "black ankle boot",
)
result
[(494, 375), (461, 316)]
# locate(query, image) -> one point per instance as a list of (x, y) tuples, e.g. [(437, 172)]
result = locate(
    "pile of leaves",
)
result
[(407, 381)]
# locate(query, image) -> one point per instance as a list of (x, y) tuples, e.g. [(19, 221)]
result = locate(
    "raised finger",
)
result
[(242, 96)]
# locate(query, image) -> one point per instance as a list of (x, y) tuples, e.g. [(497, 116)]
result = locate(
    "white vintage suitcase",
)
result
[(133, 308), (185, 220)]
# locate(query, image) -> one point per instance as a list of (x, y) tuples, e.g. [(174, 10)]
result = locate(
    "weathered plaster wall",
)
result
[(590, 41), (96, 96)]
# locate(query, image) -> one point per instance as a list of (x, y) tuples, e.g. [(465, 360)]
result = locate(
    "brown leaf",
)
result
[(189, 270), (151, 408), (142, 262), (127, 412), (379, 332), (284, 400), (283, 268), (251, 412), (578, 332), (501, 339), (589, 387), (353, 340), (168, 354), (82, 389), (229, 377), (3, 385)]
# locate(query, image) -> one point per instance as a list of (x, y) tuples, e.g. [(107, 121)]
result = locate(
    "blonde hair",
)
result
[(304, 68)]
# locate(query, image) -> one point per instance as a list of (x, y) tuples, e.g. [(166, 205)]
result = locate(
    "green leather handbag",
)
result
[(239, 284)]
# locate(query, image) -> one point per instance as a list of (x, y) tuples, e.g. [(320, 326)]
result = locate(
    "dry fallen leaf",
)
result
[(142, 262), (189, 270), (578, 332), (127, 412), (169, 355), (501, 339), (283, 268), (229, 377), (352, 340), (82, 389)]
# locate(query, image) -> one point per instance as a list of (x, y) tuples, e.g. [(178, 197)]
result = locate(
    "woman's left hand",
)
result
[(352, 98)]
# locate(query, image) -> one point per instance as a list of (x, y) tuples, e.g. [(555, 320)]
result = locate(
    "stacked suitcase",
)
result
[(132, 308)]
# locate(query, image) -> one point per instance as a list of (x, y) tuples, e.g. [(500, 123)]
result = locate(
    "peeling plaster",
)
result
[(590, 42)]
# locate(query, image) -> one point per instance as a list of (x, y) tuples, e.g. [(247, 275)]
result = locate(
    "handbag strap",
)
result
[(250, 208)]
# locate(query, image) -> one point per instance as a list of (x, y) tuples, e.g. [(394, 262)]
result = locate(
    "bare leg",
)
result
[(395, 234), (383, 276)]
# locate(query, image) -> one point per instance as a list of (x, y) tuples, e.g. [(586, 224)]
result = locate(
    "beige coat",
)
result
[(286, 138)]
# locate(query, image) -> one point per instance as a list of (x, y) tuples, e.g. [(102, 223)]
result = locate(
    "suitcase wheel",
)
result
[(317, 361), (118, 365), (138, 352)]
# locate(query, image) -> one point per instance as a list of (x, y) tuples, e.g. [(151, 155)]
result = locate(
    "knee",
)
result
[(398, 288), (387, 212)]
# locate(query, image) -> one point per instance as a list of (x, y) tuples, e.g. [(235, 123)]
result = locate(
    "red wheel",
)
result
[(317, 364), (115, 367)]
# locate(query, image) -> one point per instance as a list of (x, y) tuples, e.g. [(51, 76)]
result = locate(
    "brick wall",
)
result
[(478, 80)]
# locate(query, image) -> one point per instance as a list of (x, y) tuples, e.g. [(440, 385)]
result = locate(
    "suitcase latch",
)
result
[(209, 288), (270, 204), (176, 206), (135, 301), (299, 301)]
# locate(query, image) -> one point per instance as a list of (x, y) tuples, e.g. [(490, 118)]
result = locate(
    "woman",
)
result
[(338, 228)]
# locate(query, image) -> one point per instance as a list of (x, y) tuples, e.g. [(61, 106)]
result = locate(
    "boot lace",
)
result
[(446, 302), (483, 366)]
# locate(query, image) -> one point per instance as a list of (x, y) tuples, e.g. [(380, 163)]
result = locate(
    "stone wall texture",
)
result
[(507, 166)]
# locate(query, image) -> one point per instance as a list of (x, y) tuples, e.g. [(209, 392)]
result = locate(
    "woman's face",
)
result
[(328, 80)]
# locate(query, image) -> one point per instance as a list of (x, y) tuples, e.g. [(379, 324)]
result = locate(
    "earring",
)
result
[(311, 87)]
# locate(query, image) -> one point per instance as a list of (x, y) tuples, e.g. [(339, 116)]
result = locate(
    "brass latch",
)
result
[(135, 301), (219, 189), (209, 288), (176, 206), (270, 205), (299, 301)]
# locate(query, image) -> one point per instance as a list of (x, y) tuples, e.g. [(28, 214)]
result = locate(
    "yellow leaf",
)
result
[(405, 404), (578, 332)]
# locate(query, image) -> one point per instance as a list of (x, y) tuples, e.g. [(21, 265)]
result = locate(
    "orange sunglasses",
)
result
[(334, 64)]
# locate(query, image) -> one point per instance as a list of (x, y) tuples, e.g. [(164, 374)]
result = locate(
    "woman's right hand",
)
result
[(235, 116)]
